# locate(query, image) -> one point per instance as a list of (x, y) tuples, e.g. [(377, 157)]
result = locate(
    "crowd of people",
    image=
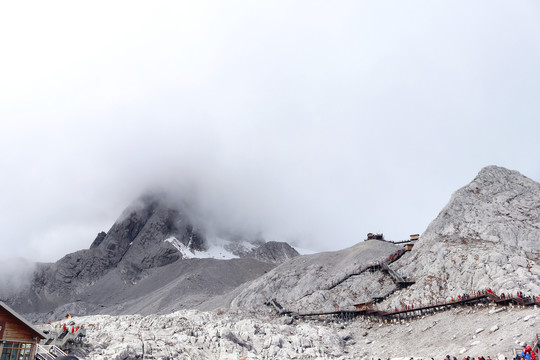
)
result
[(469, 296), (395, 255), (65, 328), (527, 353)]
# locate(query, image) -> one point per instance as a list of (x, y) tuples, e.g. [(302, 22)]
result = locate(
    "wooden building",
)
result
[(18, 338), (364, 306), (408, 247)]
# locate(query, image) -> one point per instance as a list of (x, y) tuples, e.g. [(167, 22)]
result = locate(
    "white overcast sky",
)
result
[(313, 121)]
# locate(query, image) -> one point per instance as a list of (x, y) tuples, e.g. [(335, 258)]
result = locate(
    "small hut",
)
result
[(408, 247), (364, 306), (18, 338)]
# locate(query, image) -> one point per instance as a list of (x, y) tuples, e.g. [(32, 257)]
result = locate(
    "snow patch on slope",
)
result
[(217, 249)]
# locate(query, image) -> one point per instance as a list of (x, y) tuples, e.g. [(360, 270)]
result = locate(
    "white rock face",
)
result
[(191, 334), (487, 236)]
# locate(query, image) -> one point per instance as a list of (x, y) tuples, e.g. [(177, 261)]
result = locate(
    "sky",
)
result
[(313, 122)]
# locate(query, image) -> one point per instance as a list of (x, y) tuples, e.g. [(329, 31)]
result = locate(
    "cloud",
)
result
[(310, 122), (17, 275)]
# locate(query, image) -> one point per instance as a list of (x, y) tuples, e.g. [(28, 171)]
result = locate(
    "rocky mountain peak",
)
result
[(499, 205), (98, 240), (487, 236), (499, 181), (156, 244)]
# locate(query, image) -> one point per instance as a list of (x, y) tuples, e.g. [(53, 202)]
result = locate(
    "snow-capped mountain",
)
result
[(155, 247)]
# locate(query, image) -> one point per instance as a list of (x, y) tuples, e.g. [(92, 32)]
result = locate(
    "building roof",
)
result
[(21, 319), (364, 303)]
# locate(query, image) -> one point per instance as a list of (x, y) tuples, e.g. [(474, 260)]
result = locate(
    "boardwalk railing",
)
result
[(380, 265), (412, 312), (48, 352)]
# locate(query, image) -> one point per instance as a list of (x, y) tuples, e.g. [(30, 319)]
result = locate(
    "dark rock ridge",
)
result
[(99, 239), (132, 250)]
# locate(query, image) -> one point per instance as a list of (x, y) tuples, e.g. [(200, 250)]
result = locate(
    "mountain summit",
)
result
[(498, 206), (487, 236), (155, 246)]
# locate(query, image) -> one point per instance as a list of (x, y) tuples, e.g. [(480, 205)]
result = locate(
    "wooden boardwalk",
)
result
[(408, 313), (401, 282)]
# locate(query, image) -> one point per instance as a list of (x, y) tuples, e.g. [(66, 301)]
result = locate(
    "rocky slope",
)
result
[(300, 284), (487, 236), (153, 248), (190, 334)]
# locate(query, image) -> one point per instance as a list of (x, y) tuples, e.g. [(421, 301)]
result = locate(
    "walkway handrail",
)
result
[(43, 353), (394, 257), (477, 297), (392, 273), (536, 342), (57, 351)]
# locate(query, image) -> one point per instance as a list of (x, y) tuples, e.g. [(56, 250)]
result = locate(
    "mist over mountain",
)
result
[(155, 249), (18, 273), (485, 237), (158, 259)]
